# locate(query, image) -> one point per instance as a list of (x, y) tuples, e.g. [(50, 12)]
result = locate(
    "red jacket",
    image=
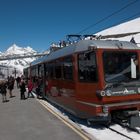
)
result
[(30, 86)]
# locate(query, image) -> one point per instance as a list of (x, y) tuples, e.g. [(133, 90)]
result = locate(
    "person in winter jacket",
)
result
[(3, 86), (10, 85), (30, 88), (22, 89)]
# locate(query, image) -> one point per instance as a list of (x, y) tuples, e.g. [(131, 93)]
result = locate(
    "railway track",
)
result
[(127, 127), (76, 123), (120, 133)]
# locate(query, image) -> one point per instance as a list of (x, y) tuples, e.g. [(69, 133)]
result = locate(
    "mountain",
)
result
[(126, 27), (15, 50)]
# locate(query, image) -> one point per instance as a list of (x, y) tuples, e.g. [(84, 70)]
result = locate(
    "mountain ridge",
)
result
[(15, 50)]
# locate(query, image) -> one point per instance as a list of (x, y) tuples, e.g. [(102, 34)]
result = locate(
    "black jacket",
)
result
[(22, 87)]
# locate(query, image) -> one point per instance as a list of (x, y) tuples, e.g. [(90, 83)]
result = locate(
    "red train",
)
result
[(93, 79)]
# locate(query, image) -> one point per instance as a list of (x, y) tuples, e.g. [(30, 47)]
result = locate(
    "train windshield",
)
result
[(120, 66)]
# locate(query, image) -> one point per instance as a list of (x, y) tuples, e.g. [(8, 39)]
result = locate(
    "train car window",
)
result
[(50, 70), (42, 70), (33, 71), (39, 70), (26, 73), (36, 70), (68, 68), (29, 72), (87, 67), (117, 66), (58, 71), (46, 71)]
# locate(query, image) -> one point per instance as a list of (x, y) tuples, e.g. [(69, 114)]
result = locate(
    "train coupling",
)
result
[(128, 118), (133, 118), (134, 121)]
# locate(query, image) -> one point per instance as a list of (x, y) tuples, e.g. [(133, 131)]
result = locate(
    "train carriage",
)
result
[(92, 79)]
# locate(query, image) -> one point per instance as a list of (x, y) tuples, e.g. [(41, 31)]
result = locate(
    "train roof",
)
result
[(84, 45)]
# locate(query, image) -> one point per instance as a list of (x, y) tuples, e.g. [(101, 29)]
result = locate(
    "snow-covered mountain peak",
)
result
[(15, 50), (29, 49)]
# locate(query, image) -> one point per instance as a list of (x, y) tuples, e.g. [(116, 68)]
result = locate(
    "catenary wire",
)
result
[(105, 18), (126, 19)]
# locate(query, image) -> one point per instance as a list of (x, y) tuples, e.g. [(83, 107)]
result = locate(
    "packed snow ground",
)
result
[(100, 133)]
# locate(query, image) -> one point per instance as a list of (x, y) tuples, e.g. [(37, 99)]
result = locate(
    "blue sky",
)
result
[(38, 23)]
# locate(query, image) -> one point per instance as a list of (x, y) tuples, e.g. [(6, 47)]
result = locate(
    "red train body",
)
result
[(91, 79)]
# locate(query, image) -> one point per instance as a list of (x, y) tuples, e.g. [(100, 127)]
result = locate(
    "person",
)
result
[(10, 85), (3, 91), (18, 79), (30, 88), (38, 92), (39, 87), (22, 89)]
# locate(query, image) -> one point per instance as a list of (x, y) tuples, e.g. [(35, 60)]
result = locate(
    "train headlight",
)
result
[(108, 92), (105, 109)]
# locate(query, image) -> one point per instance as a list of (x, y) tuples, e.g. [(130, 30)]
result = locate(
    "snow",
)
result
[(96, 131), (15, 50), (130, 26)]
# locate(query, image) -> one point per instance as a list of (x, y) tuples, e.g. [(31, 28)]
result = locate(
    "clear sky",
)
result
[(38, 23)]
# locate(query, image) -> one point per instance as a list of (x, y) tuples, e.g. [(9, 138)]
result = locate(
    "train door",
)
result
[(87, 83), (33, 76), (68, 84), (41, 78)]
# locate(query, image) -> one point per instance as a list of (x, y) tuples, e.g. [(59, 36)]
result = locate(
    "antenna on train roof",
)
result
[(91, 37), (73, 38)]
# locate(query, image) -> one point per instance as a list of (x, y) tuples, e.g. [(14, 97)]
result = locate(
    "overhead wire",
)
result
[(126, 19), (105, 18)]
